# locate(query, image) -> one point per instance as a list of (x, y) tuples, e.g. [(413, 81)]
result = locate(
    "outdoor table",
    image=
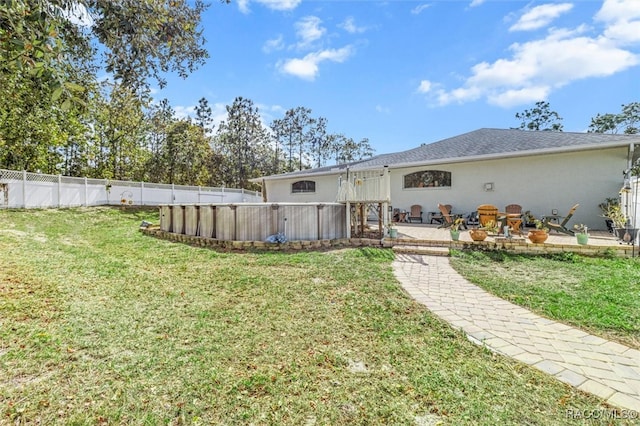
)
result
[(502, 219)]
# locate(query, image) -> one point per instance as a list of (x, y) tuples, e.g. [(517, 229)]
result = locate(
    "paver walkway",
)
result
[(592, 364)]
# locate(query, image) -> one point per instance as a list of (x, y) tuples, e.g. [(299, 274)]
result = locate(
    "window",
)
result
[(303, 186), (427, 179)]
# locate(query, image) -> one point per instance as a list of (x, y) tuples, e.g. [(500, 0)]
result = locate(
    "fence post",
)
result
[(173, 197), (86, 196), (199, 191), (142, 193), (59, 191), (24, 189)]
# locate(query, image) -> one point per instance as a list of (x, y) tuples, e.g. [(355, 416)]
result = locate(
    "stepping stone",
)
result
[(425, 250)]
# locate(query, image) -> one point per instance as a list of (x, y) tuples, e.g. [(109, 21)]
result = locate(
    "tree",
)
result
[(120, 150), (540, 118), (137, 39), (35, 130), (626, 121), (347, 150), (160, 118), (243, 142), (279, 133), (320, 144), (50, 53), (187, 154), (204, 116), (294, 126)]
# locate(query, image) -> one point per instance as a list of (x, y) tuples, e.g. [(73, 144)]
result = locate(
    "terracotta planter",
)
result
[(538, 236), (477, 234)]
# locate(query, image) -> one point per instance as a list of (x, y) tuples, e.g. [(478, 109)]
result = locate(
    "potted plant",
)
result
[(540, 234), (479, 234), (582, 233), (391, 230), (613, 215), (529, 219), (617, 220), (455, 229), (491, 227)]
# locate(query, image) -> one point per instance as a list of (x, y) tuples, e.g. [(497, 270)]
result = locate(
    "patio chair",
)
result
[(415, 213), (448, 218), (472, 218), (487, 213), (438, 216), (514, 217), (562, 226), (513, 208)]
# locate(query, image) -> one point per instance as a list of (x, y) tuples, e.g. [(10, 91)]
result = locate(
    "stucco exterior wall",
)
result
[(538, 183), (279, 191)]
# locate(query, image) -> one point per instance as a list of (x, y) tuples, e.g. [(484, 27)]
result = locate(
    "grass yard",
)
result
[(100, 324), (598, 295)]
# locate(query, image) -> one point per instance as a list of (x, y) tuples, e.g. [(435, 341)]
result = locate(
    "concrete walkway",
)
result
[(592, 364)]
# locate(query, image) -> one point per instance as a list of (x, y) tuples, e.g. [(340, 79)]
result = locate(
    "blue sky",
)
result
[(403, 73)]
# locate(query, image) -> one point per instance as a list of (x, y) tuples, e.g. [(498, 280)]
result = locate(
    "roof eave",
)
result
[(506, 155), (474, 158)]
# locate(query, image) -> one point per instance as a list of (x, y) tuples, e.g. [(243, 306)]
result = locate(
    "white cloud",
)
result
[(309, 29), (218, 112), (243, 6), (425, 86), (307, 67), (418, 9), (522, 96), (618, 10), (350, 26), (382, 109), (534, 69), (622, 18), (475, 3), (282, 5), (540, 16), (273, 44), (624, 32), (184, 111)]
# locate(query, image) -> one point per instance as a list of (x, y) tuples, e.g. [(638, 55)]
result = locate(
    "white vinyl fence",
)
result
[(21, 189)]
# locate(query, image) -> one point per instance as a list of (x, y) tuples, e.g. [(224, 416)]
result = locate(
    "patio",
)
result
[(411, 235), (422, 231)]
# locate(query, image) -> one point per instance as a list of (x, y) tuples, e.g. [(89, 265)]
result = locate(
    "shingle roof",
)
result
[(482, 143)]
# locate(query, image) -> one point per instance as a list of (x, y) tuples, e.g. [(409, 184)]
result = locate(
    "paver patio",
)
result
[(592, 364), (421, 231)]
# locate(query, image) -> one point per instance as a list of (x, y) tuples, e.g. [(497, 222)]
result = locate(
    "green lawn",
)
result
[(100, 324), (599, 295)]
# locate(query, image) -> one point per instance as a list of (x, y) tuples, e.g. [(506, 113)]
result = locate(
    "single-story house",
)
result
[(542, 171)]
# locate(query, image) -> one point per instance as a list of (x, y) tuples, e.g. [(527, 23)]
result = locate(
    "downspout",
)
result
[(348, 209), (633, 198)]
